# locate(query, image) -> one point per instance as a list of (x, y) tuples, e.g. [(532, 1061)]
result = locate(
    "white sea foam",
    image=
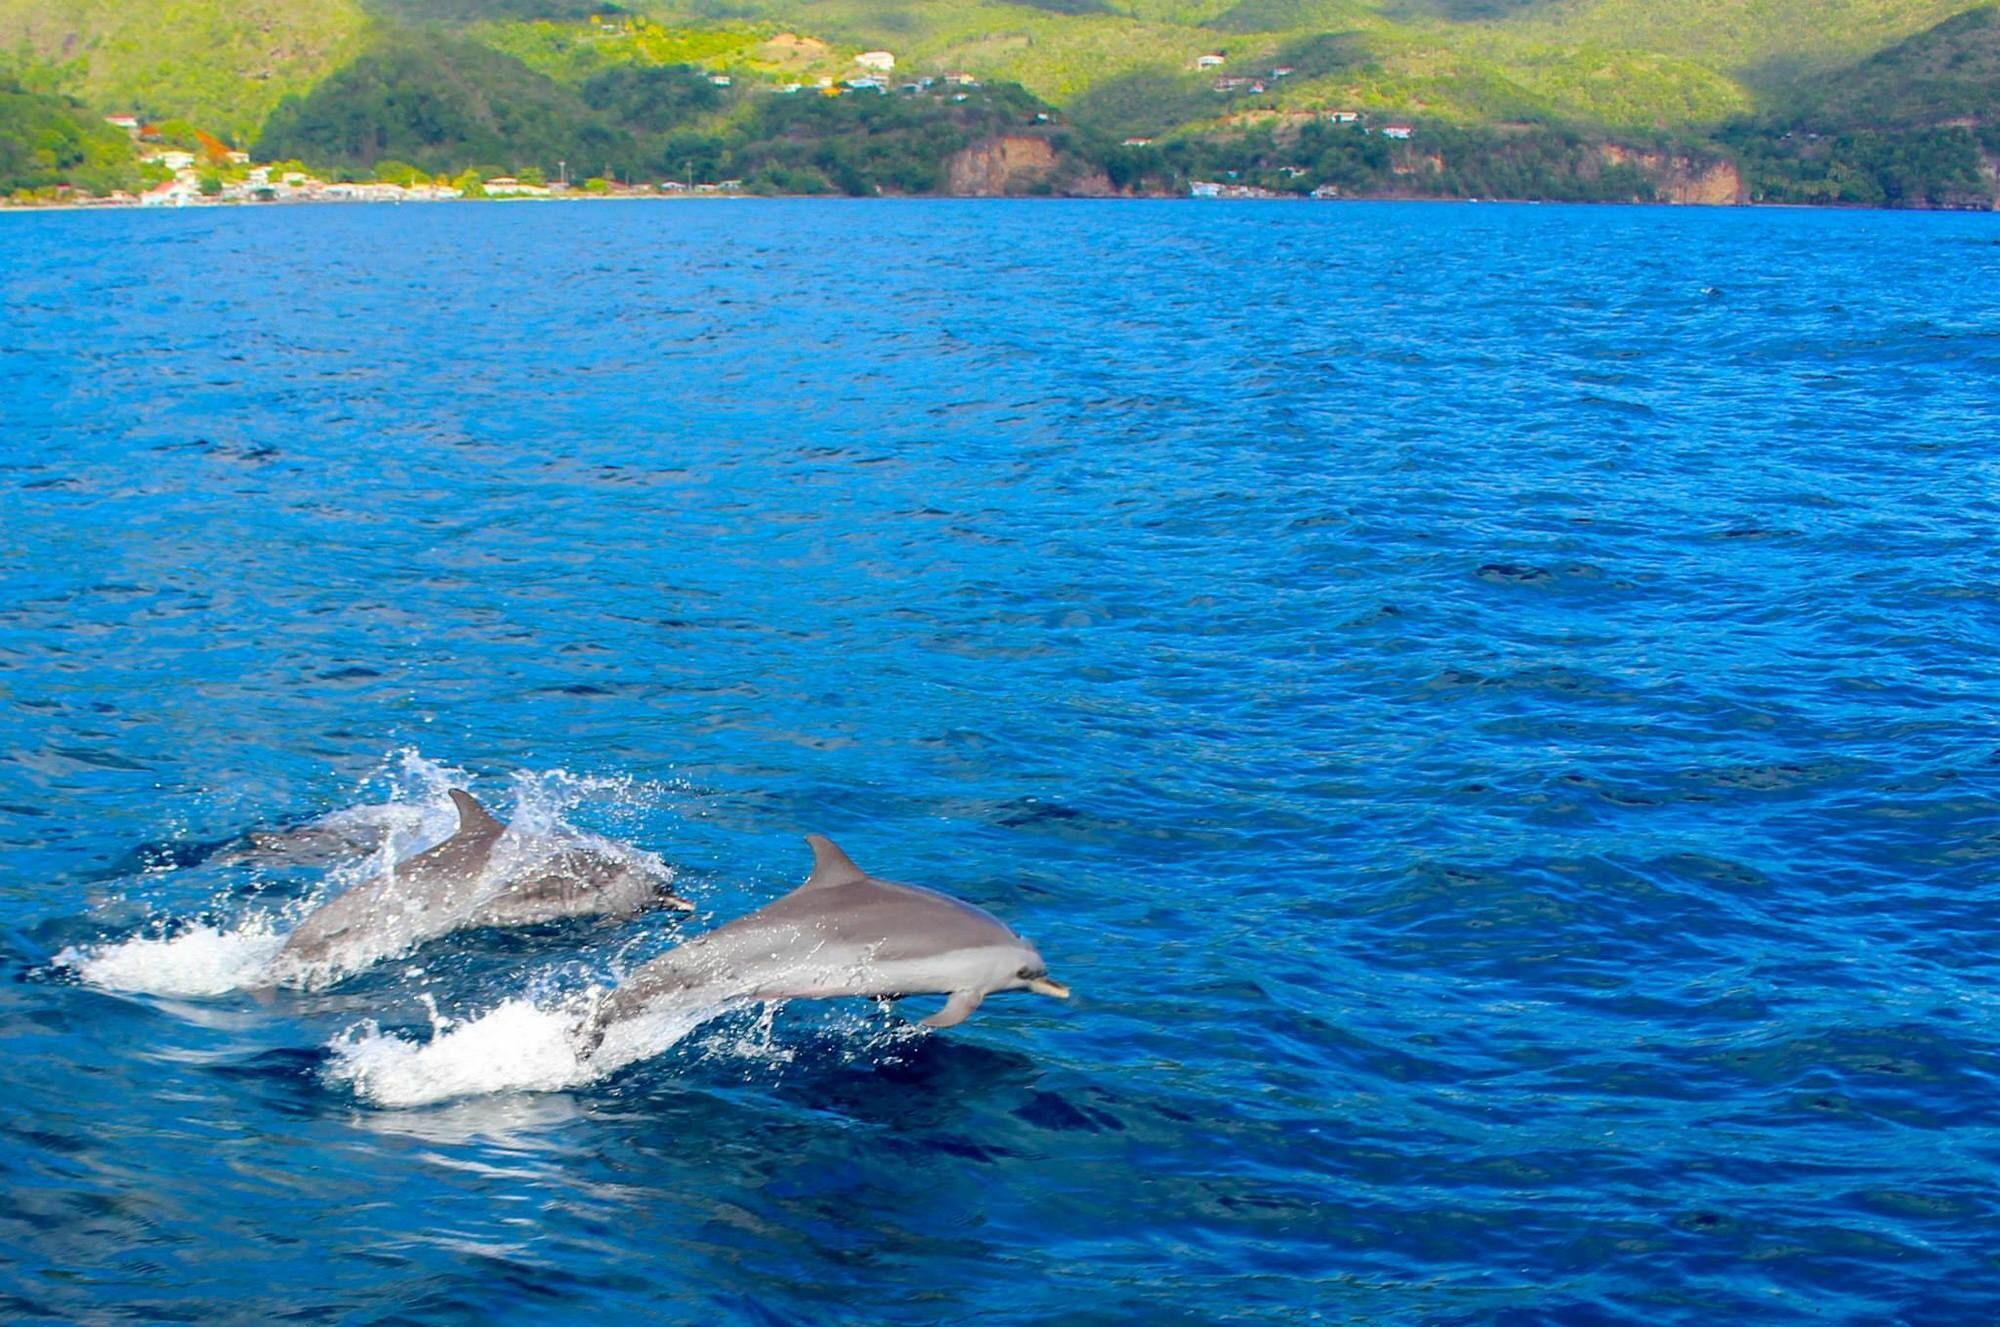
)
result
[(517, 1047), (198, 961)]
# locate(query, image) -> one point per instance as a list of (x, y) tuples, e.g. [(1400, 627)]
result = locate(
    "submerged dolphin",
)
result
[(842, 932), (343, 835), (462, 882)]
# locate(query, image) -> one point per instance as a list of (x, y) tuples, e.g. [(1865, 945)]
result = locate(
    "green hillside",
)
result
[(47, 140), (1817, 100), (222, 63), (445, 104), (1623, 64), (1916, 123), (1765, 43), (1950, 72), (439, 103)]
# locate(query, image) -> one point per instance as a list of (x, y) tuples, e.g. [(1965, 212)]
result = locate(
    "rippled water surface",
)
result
[(1491, 709)]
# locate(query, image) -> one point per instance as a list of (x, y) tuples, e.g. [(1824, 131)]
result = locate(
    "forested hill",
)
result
[(1861, 101)]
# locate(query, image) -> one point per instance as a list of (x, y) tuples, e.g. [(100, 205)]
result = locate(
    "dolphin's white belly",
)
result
[(859, 973)]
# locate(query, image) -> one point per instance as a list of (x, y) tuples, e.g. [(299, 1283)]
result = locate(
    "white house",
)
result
[(175, 159), (880, 61), (1210, 61), (1397, 130), (172, 193)]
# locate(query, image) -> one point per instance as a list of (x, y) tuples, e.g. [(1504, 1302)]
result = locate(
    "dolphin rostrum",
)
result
[(466, 881), (842, 932)]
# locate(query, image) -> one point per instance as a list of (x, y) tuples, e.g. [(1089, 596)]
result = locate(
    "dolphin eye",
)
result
[(1026, 974)]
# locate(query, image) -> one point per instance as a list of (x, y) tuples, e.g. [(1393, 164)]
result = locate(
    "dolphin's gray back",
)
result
[(821, 925), (894, 920), (414, 898)]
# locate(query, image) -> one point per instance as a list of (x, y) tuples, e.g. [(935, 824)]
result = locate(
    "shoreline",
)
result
[(9, 207)]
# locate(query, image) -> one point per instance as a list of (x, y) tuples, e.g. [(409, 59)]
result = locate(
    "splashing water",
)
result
[(352, 845), (198, 961), (519, 1046)]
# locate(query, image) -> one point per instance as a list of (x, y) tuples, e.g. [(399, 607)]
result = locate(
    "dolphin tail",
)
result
[(956, 1010)]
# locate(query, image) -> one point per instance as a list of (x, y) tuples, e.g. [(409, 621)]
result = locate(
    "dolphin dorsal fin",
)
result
[(472, 817), (831, 866)]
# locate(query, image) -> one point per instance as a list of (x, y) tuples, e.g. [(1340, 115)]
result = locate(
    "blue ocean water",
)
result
[(1492, 709)]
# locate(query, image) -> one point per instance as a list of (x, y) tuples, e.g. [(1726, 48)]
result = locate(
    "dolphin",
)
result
[(343, 835), (462, 882), (842, 932)]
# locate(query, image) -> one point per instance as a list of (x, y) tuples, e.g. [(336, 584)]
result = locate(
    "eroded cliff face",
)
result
[(1677, 178), (1018, 164), (1000, 166)]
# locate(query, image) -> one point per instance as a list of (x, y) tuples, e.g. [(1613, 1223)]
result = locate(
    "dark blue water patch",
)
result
[(1490, 709)]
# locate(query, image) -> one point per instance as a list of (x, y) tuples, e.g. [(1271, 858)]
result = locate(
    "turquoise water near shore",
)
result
[(1492, 710)]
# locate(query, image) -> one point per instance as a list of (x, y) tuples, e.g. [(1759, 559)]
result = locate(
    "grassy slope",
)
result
[(222, 63), (1767, 43)]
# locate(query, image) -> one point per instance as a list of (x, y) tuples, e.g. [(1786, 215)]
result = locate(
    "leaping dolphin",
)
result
[(842, 932), (462, 882)]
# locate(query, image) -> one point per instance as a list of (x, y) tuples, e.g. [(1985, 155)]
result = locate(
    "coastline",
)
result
[(8, 206)]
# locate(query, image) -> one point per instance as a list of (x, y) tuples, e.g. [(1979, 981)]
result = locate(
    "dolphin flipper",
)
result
[(956, 1010)]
